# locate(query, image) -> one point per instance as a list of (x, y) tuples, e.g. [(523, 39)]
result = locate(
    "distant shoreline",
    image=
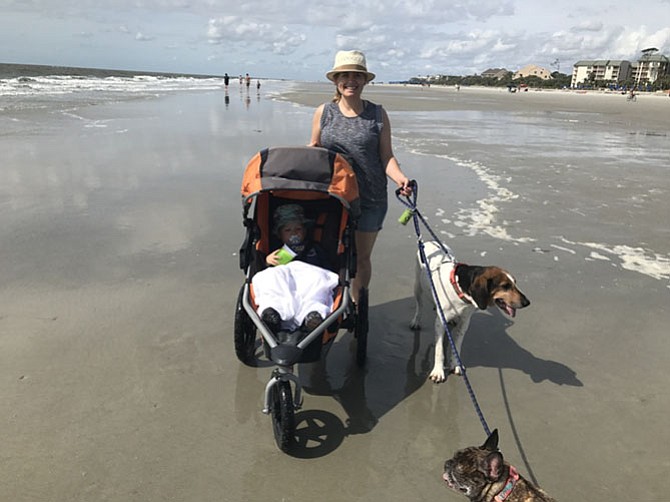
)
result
[(15, 70)]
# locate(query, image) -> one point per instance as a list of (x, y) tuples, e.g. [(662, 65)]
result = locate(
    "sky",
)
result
[(297, 40)]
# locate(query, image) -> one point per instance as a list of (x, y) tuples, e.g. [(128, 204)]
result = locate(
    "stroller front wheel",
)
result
[(283, 415)]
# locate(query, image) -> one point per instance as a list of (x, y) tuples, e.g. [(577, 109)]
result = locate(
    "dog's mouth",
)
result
[(505, 307), (452, 483), (447, 479)]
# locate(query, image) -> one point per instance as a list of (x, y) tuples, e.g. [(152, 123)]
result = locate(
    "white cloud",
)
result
[(591, 25), (294, 39), (231, 29)]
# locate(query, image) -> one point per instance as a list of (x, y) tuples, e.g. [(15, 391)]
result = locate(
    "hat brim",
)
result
[(331, 74)]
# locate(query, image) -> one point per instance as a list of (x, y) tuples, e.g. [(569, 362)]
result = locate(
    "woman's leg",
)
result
[(365, 241)]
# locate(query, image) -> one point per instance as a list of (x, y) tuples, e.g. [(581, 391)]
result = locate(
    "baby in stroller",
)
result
[(297, 294)]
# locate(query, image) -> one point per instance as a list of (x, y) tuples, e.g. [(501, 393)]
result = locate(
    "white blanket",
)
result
[(294, 290)]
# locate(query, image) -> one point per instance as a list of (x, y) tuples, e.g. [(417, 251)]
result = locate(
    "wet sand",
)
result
[(119, 233)]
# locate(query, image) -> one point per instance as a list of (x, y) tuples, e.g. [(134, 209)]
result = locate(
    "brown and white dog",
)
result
[(461, 290)]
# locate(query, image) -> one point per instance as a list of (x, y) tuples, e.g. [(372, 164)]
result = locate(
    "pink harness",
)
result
[(509, 486)]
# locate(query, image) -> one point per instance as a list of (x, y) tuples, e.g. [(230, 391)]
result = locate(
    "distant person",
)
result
[(247, 80), (361, 132), (258, 86), (226, 80)]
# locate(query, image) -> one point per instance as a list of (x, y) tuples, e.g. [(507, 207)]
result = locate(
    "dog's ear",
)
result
[(480, 292), (491, 443), (493, 466)]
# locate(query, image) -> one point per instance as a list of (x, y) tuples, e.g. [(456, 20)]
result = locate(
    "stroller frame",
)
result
[(319, 179)]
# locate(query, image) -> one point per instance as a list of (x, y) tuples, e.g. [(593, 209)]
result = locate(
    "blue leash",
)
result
[(413, 212)]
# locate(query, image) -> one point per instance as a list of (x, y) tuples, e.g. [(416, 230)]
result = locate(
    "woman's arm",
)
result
[(390, 163), (315, 140)]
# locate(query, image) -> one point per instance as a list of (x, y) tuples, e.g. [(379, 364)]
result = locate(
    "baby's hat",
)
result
[(288, 213)]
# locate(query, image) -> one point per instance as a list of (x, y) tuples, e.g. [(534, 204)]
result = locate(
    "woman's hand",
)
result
[(405, 187)]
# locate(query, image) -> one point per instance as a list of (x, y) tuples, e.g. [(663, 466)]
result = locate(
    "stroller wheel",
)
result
[(245, 333), (283, 416), (361, 328)]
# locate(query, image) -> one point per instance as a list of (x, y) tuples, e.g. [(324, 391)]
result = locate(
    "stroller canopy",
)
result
[(301, 168)]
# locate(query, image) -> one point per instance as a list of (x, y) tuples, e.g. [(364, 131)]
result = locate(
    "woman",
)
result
[(361, 132)]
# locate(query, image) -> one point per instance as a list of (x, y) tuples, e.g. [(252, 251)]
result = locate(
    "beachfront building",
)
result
[(497, 73), (650, 67), (533, 70), (603, 70)]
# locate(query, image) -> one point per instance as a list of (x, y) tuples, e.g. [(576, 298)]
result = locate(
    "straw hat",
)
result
[(349, 61)]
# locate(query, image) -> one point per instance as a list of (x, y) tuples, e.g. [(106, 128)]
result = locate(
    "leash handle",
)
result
[(412, 184), (408, 213)]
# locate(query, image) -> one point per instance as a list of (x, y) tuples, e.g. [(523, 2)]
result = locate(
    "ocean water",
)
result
[(561, 183), (38, 92), (565, 183)]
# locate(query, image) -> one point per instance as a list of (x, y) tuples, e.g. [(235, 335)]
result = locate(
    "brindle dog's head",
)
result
[(495, 286), (481, 474), (472, 470)]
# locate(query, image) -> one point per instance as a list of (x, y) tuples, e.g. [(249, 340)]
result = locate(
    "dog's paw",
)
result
[(457, 370), (437, 375)]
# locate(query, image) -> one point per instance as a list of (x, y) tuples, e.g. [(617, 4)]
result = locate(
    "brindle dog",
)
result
[(481, 474)]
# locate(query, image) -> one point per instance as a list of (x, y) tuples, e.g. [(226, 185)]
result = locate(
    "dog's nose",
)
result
[(525, 302)]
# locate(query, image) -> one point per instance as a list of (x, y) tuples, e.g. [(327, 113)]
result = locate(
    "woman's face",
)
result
[(290, 229), (350, 83)]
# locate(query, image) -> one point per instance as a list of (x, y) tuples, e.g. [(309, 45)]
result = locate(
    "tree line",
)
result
[(558, 81)]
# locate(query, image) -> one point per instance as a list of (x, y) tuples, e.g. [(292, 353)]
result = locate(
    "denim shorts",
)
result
[(372, 217)]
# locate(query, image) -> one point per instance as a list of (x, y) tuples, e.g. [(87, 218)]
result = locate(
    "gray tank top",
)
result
[(357, 139)]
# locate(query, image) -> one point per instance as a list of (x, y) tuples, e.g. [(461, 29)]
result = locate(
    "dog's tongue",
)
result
[(508, 309)]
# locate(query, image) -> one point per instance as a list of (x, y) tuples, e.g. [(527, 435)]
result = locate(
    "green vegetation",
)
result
[(661, 83), (559, 81)]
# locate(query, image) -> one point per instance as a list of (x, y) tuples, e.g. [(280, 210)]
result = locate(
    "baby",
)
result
[(298, 293)]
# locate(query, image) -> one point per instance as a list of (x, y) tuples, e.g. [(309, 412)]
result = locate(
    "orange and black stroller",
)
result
[(323, 183)]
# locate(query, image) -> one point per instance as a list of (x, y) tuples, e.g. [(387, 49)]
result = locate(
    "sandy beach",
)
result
[(120, 225), (648, 108)]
